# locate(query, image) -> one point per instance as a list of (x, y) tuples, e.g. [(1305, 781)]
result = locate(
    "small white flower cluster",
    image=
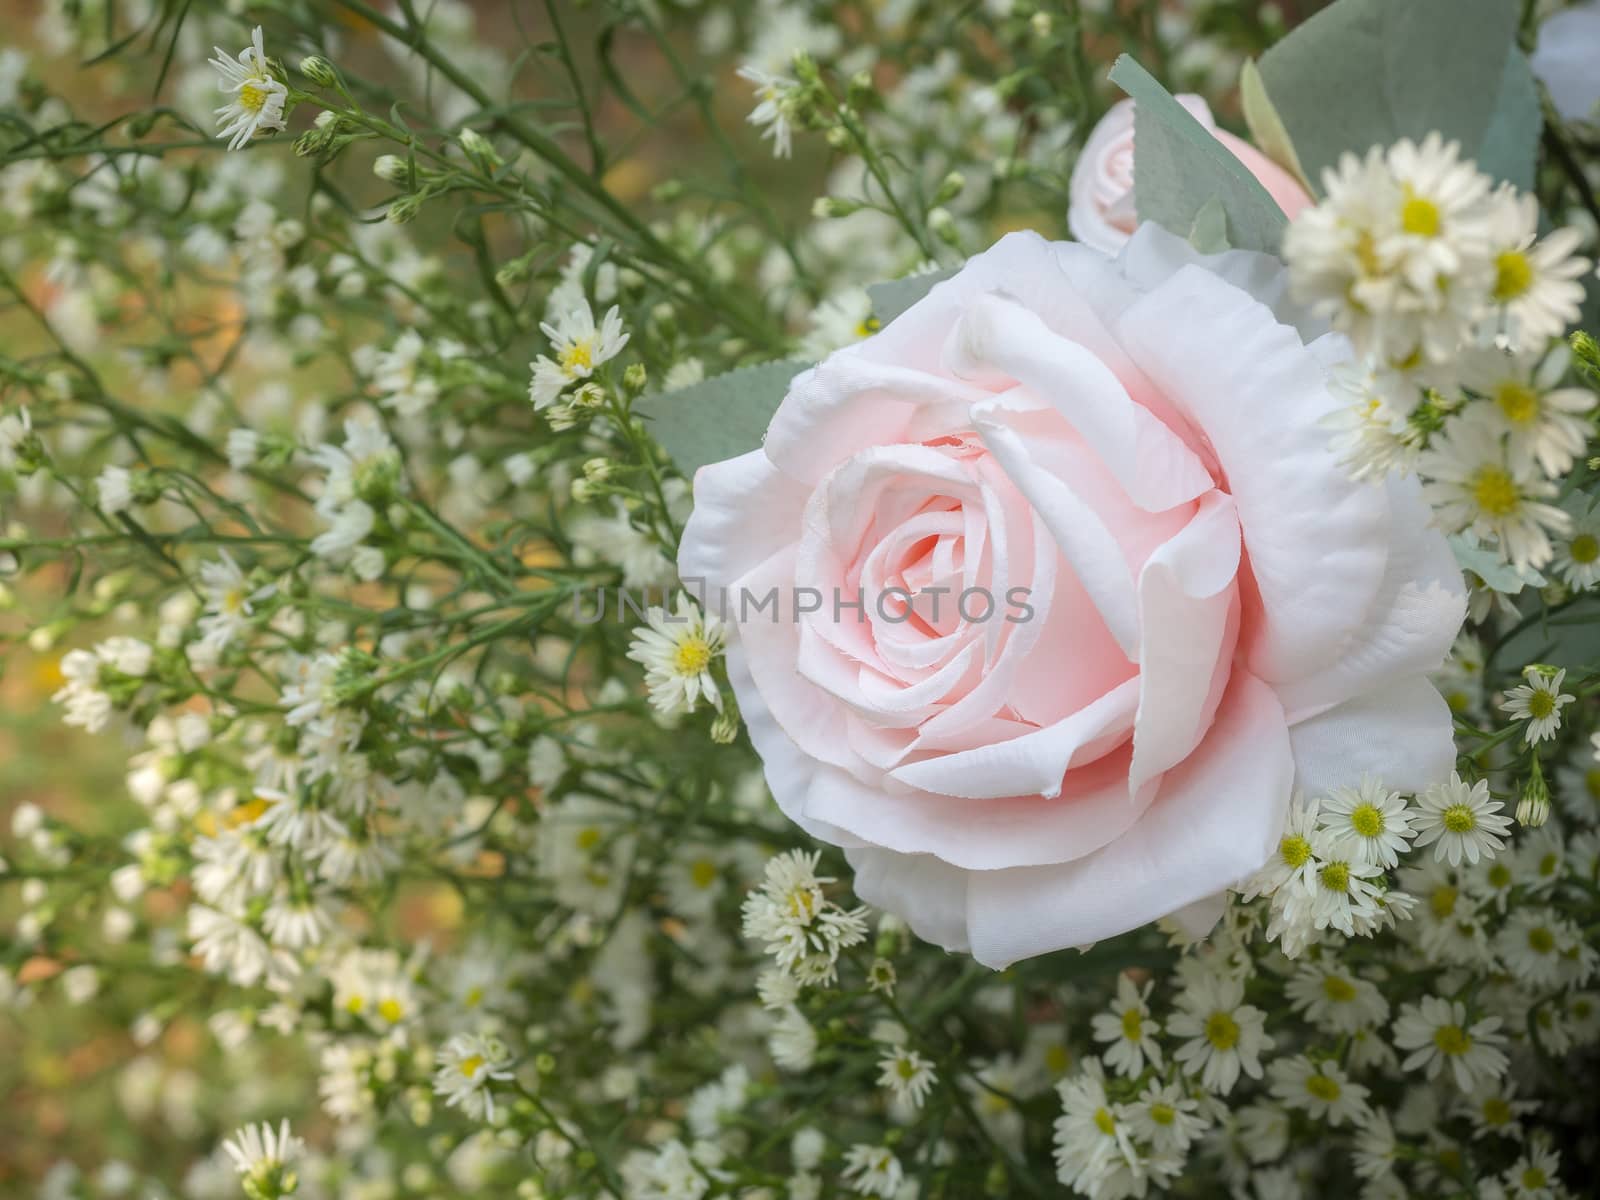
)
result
[(1329, 870), (1451, 300), (678, 649)]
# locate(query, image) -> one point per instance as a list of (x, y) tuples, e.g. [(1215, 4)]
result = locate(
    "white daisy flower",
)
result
[(1534, 1175), (1129, 1029), (1335, 999), (677, 653), (1226, 1037), (1437, 1033), (774, 110), (265, 1159), (1166, 1118), (256, 97), (1440, 227), (579, 346), (1374, 1147), (1544, 424), (467, 1064), (1292, 861), (873, 1171), (1536, 286), (1368, 822), (1532, 945), (1474, 483), (1320, 1089), (1494, 1110), (1539, 702), (1462, 819), (907, 1075), (1577, 556), (1340, 891)]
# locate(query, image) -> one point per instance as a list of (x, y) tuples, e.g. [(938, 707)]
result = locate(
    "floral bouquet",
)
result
[(659, 599)]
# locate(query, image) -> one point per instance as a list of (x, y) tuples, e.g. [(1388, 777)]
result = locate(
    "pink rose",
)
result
[(1101, 210), (1218, 614)]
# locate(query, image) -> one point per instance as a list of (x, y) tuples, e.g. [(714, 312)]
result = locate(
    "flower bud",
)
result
[(319, 70), (950, 188), (479, 148), (634, 378), (404, 210), (391, 168), (1533, 809), (825, 207)]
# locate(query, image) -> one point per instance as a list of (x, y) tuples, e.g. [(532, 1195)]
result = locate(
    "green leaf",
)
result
[(892, 298), (1209, 233), (1362, 73), (1266, 126), (1180, 167), (719, 418), (1510, 146)]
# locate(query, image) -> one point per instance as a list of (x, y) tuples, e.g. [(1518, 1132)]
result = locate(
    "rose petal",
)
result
[(1400, 734)]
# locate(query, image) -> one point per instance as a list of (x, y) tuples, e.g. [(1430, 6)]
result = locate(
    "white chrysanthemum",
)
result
[(1475, 484), (1291, 862), (873, 1171), (467, 1064), (1093, 1137), (265, 1158), (1166, 1118), (1462, 819), (256, 98), (1335, 999), (1394, 255), (1438, 1034), (774, 110), (1321, 1089), (1544, 424), (1129, 1029), (1226, 1037), (1577, 556), (1539, 701), (1368, 822), (579, 347), (907, 1075), (677, 653), (1535, 284), (800, 927)]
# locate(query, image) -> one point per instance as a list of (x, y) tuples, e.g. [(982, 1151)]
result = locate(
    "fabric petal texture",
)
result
[(1047, 596)]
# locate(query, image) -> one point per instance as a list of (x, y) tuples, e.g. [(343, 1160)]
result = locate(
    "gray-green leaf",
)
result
[(1362, 73), (1180, 167), (719, 418), (893, 297)]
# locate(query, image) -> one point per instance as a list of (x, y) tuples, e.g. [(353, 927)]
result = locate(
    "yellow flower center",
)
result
[(1222, 1031), (1452, 1039), (471, 1065), (1132, 1025), (474, 997), (390, 1010), (1104, 1122), (1518, 401), (1323, 1088), (1443, 901), (578, 358), (1513, 276), (1496, 1111), (1338, 989), (252, 98), (1533, 1179), (1367, 254), (1541, 940), (1419, 215), (1163, 1114), (1366, 820), (233, 601), (703, 873), (868, 326), (1584, 548), (1335, 877), (1458, 818), (1294, 850), (1541, 705), (1495, 491), (802, 904), (1500, 875), (588, 839), (692, 655)]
